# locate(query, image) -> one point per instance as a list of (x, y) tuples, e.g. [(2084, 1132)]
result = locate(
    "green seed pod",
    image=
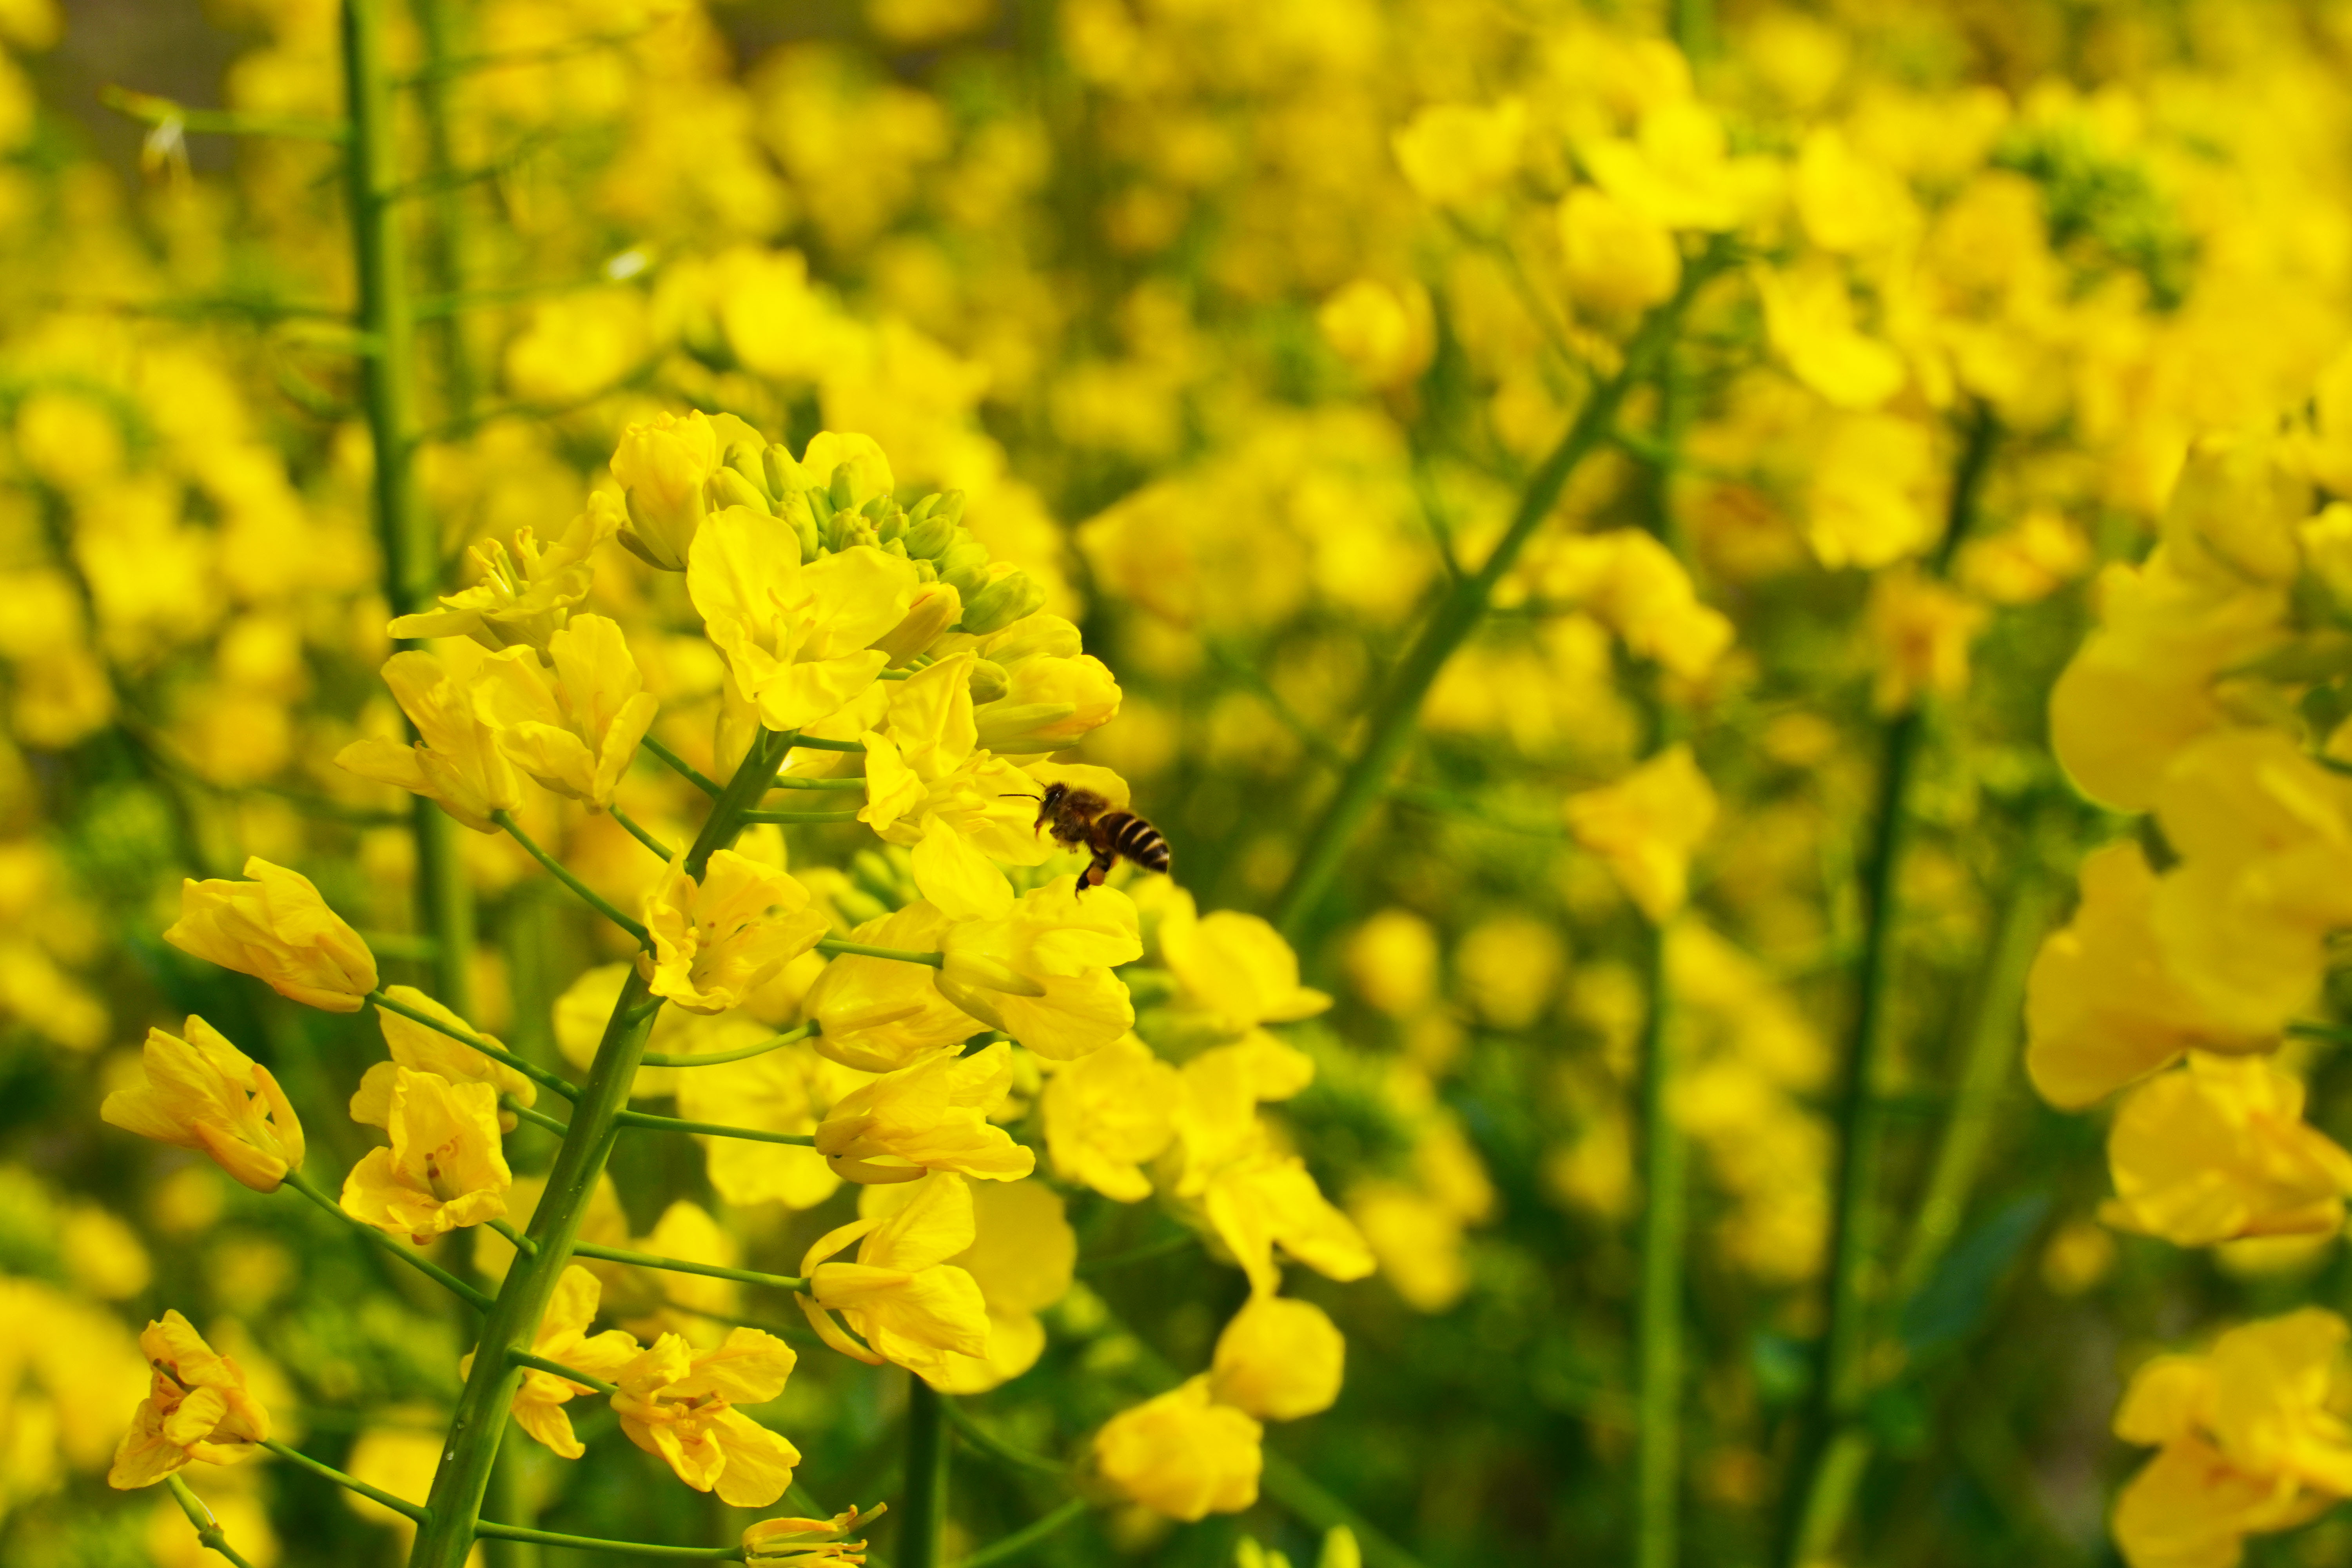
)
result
[(1001, 603)]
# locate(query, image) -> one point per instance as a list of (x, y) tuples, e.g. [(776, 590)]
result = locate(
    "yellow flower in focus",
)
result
[(563, 1337), (1182, 1454), (662, 464), (1049, 702), (524, 596), (197, 1408), (1457, 154), (1279, 1358), (2103, 1007), (1384, 330), (577, 730), (2219, 1150), (1108, 1114), (932, 1116), (717, 940), (1618, 259), (798, 637), (1645, 828), (878, 1014), (909, 1305), (681, 1406), (276, 928), (1041, 971), (1022, 1256), (444, 1170), (424, 1049), (1919, 634), (458, 762), (1236, 970), (203, 1093)]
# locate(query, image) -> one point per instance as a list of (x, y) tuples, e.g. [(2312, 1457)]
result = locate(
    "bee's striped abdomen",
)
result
[(1124, 833)]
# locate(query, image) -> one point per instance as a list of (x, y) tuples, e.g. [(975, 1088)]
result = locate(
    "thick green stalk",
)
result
[(1390, 729), (411, 545), (512, 1322), (1657, 1455), (922, 1521), (437, 23), (1840, 1383)]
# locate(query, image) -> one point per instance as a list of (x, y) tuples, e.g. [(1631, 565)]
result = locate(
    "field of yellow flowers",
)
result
[(1354, 784)]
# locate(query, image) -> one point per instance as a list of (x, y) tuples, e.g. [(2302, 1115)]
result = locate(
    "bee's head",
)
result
[(1054, 796)]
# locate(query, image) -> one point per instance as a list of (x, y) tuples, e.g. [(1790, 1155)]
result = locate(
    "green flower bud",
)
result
[(730, 487), (930, 536), (1001, 603), (966, 566), (989, 681)]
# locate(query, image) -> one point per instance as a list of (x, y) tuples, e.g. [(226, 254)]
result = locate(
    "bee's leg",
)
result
[(1097, 870)]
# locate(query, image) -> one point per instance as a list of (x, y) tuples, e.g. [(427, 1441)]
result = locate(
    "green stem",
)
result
[(438, 22), (409, 541), (1028, 1535), (154, 111), (525, 1113), (541, 1364), (430, 1269), (678, 765), (639, 834), (556, 869), (351, 1483), (831, 948), (513, 1319), (1657, 1460), (712, 1129), (208, 1529), (532, 1070), (995, 1447), (1390, 729), (813, 743), (742, 1053), (800, 816), (490, 1531), (922, 1522), (1991, 1045), (789, 783), (1825, 1465), (680, 1266)]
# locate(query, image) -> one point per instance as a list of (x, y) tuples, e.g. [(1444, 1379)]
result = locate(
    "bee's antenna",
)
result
[(1019, 795)]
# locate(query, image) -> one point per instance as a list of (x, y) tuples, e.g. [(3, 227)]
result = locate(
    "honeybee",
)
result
[(1084, 820)]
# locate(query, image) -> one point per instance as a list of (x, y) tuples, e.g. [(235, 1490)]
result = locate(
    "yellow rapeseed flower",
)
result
[(798, 637), (456, 762), (275, 927), (932, 1116), (576, 728), (1107, 1115), (681, 1406), (444, 1170), (203, 1093), (1645, 828), (197, 1408), (1279, 1358), (717, 940), (2217, 1151), (1182, 1454), (424, 1049), (902, 1297), (563, 1337)]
